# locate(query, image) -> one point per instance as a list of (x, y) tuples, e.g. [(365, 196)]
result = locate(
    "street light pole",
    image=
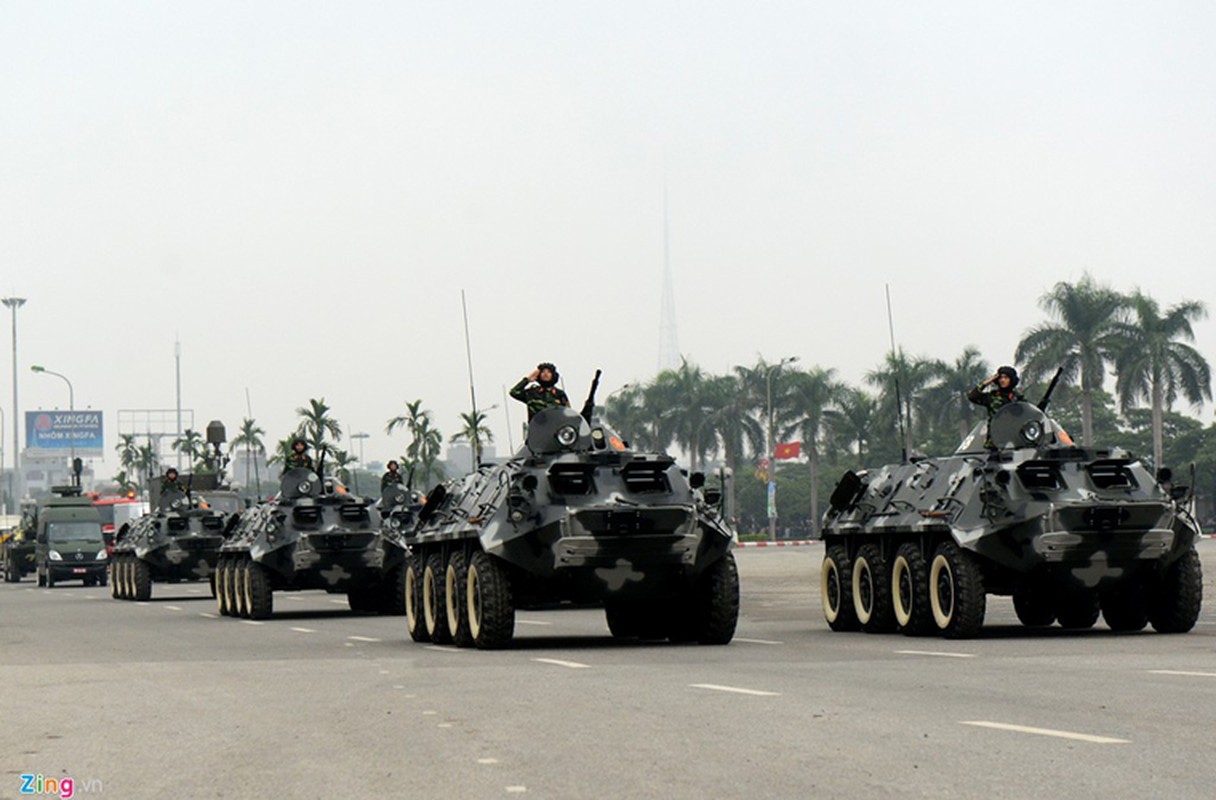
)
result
[(772, 446), (14, 303), (71, 407)]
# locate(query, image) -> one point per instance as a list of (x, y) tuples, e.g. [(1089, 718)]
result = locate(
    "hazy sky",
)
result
[(300, 191)]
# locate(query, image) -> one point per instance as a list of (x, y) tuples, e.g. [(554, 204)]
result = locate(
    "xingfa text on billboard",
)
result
[(62, 431)]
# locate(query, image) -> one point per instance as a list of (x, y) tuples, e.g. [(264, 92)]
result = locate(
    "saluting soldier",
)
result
[(298, 458), (538, 389), (1005, 380)]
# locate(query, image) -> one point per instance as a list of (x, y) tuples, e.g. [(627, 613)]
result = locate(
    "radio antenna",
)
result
[(898, 364), (468, 354)]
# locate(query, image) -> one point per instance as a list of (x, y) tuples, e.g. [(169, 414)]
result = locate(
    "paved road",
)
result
[(164, 699)]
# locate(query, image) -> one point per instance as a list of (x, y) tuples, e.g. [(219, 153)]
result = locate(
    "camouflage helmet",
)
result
[(298, 441), (1010, 373)]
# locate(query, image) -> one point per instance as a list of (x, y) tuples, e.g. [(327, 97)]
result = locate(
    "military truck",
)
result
[(17, 545), (312, 535), (575, 516), (1070, 532), (68, 544), (179, 541)]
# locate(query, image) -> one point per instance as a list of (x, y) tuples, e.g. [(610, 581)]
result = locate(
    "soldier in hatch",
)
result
[(538, 390)]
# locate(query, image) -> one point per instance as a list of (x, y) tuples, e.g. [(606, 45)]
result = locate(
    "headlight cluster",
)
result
[(102, 555), (567, 435), (305, 487), (53, 555), (1032, 431)]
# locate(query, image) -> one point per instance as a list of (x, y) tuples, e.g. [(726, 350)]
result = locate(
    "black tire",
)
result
[(631, 618), (115, 584), (1175, 597), (956, 592), (910, 591), (872, 590), (49, 581), (1077, 609), (415, 623), (1124, 608), (240, 588), (221, 596), (718, 596), (455, 595), (1035, 606), (392, 599), (491, 611), (364, 601), (142, 579), (128, 578), (258, 591), (836, 589), (211, 582), (434, 606), (101, 579)]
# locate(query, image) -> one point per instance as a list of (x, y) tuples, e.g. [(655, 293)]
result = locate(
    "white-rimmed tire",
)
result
[(956, 592), (455, 595), (872, 590), (490, 609), (415, 622), (836, 589), (434, 607), (910, 591)]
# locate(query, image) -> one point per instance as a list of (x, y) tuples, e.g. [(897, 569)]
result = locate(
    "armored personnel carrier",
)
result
[(179, 541), (574, 516), (311, 535), (17, 545), (1069, 532)]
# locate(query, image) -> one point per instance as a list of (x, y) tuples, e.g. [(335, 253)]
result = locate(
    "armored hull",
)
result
[(180, 541), (574, 516), (312, 535), (1069, 532)]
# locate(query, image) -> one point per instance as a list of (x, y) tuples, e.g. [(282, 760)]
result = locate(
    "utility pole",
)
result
[(772, 446), (177, 358), (14, 303)]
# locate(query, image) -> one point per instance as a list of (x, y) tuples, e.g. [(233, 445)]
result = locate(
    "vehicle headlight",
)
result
[(304, 488), (567, 435), (394, 523), (102, 555), (1032, 432), (53, 555)]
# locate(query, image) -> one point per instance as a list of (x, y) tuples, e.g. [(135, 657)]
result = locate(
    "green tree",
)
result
[(128, 452), (475, 432), (192, 445), (250, 437), (1154, 363), (945, 402), (853, 420), (1081, 337), (421, 458), (903, 379), (811, 395), (318, 426)]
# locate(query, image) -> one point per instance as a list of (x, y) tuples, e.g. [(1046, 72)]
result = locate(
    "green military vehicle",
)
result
[(17, 545), (68, 544)]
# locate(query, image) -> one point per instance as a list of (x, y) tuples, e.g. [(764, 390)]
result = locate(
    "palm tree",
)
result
[(853, 419), (250, 437), (811, 394), (192, 446), (679, 395), (903, 379), (341, 464), (625, 410), (317, 426), (946, 400), (146, 464), (1081, 337), (475, 433), (128, 452), (282, 451), (1154, 363), (422, 455)]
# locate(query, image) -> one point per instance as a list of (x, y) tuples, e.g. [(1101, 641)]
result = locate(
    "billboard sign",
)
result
[(58, 432)]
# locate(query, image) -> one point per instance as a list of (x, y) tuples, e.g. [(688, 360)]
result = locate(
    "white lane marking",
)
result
[(756, 641), (531, 622), (141, 603), (362, 639), (935, 653), (1183, 672), (383, 672), (487, 761), (251, 622), (195, 591), (293, 597), (517, 789), (209, 616), (337, 602), (445, 649), (304, 630), (174, 608), (735, 689), (445, 725), (1080, 737), (429, 713), (66, 594), (559, 663)]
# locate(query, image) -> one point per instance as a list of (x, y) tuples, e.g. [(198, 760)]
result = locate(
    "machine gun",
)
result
[(589, 403), (1051, 387)]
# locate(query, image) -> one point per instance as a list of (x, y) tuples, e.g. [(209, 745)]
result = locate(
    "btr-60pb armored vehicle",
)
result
[(1017, 510), (311, 535), (179, 541), (575, 515)]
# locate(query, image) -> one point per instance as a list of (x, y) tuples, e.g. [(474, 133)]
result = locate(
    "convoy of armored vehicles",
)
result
[(1069, 532)]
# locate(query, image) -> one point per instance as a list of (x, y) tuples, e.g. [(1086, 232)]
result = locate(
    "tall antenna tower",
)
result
[(669, 341)]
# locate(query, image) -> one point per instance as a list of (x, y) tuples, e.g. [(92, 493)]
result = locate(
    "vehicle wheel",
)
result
[(392, 593), (836, 589), (491, 612), (115, 584), (415, 624), (124, 578), (454, 576), (630, 618), (1123, 608), (240, 588), (910, 591), (211, 582), (872, 590), (101, 579), (1175, 597), (956, 592), (221, 596), (259, 594), (49, 582), (1035, 606), (131, 577), (434, 607), (229, 587), (363, 601), (718, 601), (1077, 609), (143, 581)]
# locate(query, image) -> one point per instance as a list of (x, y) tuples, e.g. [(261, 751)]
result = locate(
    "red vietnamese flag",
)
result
[(788, 450)]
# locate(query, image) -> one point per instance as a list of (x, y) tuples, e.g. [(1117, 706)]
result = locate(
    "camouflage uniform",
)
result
[(390, 478), (174, 485), (296, 460), (538, 397), (994, 401)]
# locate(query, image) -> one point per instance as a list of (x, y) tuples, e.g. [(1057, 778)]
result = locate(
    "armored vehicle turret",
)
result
[(179, 541), (574, 516), (312, 535), (1018, 509)]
